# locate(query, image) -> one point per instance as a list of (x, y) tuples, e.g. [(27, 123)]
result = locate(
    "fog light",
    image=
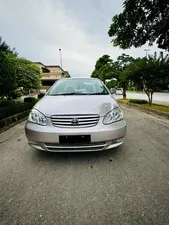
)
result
[(119, 140), (113, 142), (36, 146)]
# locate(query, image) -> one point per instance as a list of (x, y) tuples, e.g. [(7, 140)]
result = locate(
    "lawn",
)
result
[(124, 100), (158, 107), (153, 106)]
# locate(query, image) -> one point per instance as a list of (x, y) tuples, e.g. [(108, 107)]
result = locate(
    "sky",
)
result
[(39, 28)]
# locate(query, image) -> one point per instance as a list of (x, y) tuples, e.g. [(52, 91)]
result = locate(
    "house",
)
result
[(50, 74)]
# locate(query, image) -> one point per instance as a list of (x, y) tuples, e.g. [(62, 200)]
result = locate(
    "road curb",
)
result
[(145, 109), (11, 121)]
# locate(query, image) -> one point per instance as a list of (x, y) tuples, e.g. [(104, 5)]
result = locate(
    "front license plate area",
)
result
[(74, 139)]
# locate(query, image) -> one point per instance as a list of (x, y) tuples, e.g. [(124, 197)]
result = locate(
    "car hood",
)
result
[(58, 105)]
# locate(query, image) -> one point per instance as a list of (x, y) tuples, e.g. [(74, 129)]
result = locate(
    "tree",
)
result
[(104, 68), (141, 21), (148, 74), (16, 73), (112, 83), (8, 81), (65, 74), (28, 74), (6, 48), (7, 70), (122, 64)]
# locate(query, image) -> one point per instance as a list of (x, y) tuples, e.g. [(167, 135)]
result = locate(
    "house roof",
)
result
[(45, 69), (50, 66), (50, 78)]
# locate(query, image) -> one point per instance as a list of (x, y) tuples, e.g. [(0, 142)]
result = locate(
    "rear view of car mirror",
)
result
[(42, 93)]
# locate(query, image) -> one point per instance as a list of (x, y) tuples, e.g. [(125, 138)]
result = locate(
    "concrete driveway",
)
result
[(124, 186)]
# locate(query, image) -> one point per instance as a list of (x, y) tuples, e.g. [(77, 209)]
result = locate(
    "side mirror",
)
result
[(43, 91), (113, 91)]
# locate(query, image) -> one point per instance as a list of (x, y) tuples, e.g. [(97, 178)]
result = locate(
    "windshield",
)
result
[(78, 87)]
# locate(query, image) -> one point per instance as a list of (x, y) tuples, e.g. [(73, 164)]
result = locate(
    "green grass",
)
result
[(124, 100), (153, 106), (158, 107)]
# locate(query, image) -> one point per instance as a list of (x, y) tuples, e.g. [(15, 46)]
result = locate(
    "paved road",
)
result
[(158, 97), (125, 186)]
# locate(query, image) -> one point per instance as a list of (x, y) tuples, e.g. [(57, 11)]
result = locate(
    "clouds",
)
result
[(39, 28)]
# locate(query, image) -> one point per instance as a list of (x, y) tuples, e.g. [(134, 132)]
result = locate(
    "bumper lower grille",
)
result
[(53, 147), (75, 120)]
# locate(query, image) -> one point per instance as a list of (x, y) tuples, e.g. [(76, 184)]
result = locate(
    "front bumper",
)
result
[(103, 137)]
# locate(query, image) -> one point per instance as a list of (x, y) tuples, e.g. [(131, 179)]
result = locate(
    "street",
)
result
[(158, 97), (124, 186)]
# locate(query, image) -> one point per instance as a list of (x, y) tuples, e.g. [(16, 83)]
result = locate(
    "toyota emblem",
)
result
[(75, 121)]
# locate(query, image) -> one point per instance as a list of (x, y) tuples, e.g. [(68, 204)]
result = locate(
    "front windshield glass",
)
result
[(78, 87)]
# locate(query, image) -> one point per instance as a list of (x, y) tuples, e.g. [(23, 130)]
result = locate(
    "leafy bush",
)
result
[(16, 94), (6, 103), (138, 101), (29, 99), (10, 108), (40, 95)]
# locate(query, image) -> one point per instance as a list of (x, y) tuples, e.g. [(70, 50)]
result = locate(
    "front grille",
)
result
[(75, 120), (54, 147)]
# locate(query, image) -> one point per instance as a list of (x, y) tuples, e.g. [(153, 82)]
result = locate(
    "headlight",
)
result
[(113, 116), (36, 117)]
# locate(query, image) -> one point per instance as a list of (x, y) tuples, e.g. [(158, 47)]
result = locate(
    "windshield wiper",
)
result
[(68, 93), (73, 93), (54, 94), (98, 93)]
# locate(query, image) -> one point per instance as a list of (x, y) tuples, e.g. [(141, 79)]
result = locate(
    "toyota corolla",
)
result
[(76, 114)]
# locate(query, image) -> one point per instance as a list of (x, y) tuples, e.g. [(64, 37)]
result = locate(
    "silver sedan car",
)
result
[(76, 115)]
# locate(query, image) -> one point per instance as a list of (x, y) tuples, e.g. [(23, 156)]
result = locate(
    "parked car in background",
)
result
[(113, 90), (76, 114), (119, 91)]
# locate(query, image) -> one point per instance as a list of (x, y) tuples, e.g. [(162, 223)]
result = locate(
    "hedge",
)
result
[(10, 108), (138, 101), (6, 103), (40, 95), (29, 99)]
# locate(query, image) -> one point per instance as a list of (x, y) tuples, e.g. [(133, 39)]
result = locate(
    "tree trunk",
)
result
[(150, 96), (124, 90), (8, 95), (149, 99)]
